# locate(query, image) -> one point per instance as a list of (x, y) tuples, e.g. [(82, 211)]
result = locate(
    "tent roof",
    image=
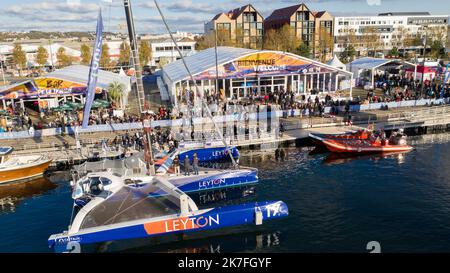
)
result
[(372, 63), (10, 86), (205, 60), (335, 62), (80, 74)]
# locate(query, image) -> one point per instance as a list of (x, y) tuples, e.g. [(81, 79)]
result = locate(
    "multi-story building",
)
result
[(402, 30), (165, 51), (313, 28), (6, 54), (244, 26)]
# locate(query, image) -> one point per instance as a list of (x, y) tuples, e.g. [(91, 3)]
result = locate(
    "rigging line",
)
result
[(208, 111)]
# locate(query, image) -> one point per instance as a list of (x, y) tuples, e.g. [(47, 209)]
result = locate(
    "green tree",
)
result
[(63, 58), (304, 50), (86, 54), (19, 58), (348, 54), (395, 52), (115, 92), (437, 49), (42, 56), (105, 60), (125, 52), (145, 53)]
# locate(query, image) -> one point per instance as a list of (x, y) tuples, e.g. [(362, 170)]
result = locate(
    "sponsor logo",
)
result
[(66, 240), (182, 223), (274, 209), (219, 153), (211, 183), (264, 68)]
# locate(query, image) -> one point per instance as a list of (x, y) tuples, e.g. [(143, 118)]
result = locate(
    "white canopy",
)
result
[(335, 62)]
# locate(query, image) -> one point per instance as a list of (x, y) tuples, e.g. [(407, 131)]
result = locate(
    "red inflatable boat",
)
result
[(397, 143)]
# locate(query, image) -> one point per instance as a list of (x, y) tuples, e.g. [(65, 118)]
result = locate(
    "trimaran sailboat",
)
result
[(110, 206)]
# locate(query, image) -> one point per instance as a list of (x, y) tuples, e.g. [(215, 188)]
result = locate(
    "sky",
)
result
[(182, 15)]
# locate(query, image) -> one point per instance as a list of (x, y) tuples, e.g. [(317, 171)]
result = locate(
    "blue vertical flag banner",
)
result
[(93, 72)]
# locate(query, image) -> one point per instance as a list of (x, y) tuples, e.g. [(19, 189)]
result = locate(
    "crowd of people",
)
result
[(19, 119), (391, 88)]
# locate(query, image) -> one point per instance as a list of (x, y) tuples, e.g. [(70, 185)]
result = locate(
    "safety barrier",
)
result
[(218, 119)]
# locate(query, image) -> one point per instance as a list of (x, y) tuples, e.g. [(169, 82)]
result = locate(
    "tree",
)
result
[(19, 58), (395, 52), (282, 39), (105, 60), (63, 58), (325, 44), (115, 92), (208, 40), (372, 39), (349, 38), (86, 54), (270, 40), (348, 54), (125, 53), (437, 49), (400, 39), (288, 40), (163, 61), (42, 56), (145, 53), (304, 50)]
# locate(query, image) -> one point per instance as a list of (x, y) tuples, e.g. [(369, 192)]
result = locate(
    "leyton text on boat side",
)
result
[(206, 179), (117, 209)]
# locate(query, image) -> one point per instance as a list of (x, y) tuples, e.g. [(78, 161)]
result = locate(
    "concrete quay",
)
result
[(419, 120)]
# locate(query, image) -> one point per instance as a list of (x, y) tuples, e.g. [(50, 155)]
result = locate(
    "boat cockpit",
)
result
[(106, 199)]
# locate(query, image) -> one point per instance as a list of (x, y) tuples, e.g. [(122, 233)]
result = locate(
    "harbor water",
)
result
[(336, 205)]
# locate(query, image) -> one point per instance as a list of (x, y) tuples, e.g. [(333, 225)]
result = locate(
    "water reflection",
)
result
[(12, 194), (336, 159), (236, 242)]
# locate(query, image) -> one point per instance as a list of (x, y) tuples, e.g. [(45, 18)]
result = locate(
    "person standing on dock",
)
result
[(176, 165), (187, 165), (195, 164)]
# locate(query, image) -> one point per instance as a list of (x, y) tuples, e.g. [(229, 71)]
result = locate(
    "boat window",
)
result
[(105, 181), (129, 204), (95, 185)]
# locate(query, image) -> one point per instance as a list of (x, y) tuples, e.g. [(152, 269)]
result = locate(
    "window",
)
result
[(226, 26)]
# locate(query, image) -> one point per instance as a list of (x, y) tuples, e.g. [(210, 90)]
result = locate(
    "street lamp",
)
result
[(423, 61), (2, 61)]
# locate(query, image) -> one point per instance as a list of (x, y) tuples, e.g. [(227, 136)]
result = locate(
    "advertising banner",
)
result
[(262, 64), (93, 72)]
